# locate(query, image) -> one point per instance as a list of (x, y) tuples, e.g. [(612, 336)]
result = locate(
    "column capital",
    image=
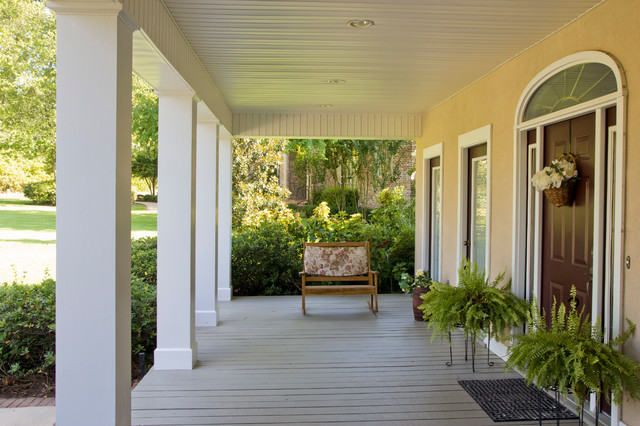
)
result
[(91, 8), (84, 7), (180, 93)]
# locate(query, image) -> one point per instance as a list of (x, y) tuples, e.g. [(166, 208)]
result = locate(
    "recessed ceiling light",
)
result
[(336, 81), (360, 23)]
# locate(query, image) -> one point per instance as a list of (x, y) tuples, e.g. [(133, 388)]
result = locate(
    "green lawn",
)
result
[(28, 220), (38, 219), (27, 238)]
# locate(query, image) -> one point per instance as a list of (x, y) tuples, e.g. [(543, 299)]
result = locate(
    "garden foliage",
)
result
[(27, 330), (27, 319), (267, 249), (43, 192), (143, 319), (476, 305), (144, 265), (572, 355)]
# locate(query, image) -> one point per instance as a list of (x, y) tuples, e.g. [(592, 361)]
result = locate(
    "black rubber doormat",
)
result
[(510, 400)]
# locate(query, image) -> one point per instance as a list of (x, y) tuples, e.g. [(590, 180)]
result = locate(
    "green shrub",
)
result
[(27, 330), (16, 171), (43, 192), (144, 259), (392, 238), (307, 210), (143, 320), (147, 198), (334, 197), (265, 259), (267, 249)]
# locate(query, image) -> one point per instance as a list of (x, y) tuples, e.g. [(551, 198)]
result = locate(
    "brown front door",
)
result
[(567, 240)]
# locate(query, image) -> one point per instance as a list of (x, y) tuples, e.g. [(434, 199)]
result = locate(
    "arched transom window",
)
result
[(571, 86)]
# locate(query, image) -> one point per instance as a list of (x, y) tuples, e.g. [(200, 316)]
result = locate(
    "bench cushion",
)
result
[(336, 261)]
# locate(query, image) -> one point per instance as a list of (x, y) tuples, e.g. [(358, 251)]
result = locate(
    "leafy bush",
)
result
[(43, 192), (392, 237), (147, 198), (338, 198), (143, 320), (307, 210), (144, 259), (266, 259), (16, 171), (27, 330)]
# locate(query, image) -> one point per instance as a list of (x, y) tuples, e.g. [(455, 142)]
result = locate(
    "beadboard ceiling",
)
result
[(276, 57)]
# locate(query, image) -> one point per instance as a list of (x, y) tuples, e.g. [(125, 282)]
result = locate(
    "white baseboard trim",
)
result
[(206, 319), (224, 294)]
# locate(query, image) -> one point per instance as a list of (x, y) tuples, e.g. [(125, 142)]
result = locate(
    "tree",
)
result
[(255, 178), (144, 133), (309, 162), (27, 91)]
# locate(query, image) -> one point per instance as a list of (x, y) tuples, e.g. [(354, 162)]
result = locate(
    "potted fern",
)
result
[(479, 306), (571, 356)]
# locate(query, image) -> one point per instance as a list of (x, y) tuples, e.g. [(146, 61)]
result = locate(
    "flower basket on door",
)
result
[(558, 180)]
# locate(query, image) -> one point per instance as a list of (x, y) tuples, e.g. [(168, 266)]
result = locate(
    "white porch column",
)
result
[(177, 347), (93, 295), (206, 193), (225, 289)]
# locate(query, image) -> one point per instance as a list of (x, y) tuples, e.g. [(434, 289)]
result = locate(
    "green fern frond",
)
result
[(572, 355)]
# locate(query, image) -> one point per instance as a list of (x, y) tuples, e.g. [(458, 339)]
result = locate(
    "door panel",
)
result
[(434, 219), (476, 233), (567, 240)]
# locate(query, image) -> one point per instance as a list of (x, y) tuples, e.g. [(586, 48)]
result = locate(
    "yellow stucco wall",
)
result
[(612, 27)]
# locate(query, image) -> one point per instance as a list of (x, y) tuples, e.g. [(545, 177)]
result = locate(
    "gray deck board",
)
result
[(266, 363)]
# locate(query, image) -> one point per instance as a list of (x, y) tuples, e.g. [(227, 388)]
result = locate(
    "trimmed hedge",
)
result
[(265, 260), (144, 264), (27, 319), (27, 329), (43, 192), (147, 197)]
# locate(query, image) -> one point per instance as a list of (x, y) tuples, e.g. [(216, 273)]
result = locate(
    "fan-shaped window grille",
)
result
[(569, 87)]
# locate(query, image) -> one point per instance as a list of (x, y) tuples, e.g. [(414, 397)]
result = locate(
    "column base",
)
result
[(206, 318), (224, 294), (175, 358)]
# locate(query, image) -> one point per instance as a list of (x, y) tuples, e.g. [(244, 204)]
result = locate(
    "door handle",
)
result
[(466, 243)]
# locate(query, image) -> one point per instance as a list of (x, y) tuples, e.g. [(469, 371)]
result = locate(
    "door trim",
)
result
[(470, 139), (521, 183)]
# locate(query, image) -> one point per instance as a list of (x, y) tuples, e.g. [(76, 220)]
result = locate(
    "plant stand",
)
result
[(473, 350), (556, 394)]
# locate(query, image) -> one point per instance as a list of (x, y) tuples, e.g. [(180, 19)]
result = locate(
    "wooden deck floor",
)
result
[(268, 364)]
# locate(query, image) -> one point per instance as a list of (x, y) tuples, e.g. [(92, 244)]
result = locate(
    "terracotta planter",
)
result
[(417, 301)]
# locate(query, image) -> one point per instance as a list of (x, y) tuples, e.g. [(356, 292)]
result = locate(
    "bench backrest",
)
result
[(341, 259)]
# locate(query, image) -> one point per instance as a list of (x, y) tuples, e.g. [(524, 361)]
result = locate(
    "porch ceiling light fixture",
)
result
[(336, 81), (325, 106), (360, 23)]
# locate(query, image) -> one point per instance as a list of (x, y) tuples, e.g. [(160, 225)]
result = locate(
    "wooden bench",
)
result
[(344, 262)]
